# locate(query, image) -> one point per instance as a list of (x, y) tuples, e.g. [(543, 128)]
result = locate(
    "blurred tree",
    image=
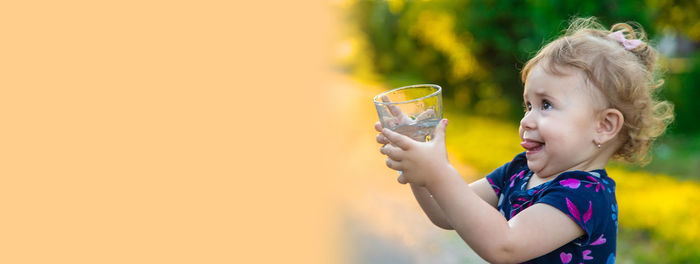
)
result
[(682, 89), (680, 15), (474, 49), (680, 22)]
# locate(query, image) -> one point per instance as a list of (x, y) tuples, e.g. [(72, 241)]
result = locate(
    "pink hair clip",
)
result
[(629, 44)]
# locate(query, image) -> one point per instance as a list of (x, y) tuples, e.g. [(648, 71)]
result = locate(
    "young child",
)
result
[(588, 98)]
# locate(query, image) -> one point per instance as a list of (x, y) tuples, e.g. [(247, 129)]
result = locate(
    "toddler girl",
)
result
[(588, 97)]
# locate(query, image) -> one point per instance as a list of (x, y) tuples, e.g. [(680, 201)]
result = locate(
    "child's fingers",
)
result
[(392, 108), (402, 179), (425, 115), (392, 152), (439, 132), (394, 165), (397, 139), (381, 139), (378, 126), (396, 112), (389, 122)]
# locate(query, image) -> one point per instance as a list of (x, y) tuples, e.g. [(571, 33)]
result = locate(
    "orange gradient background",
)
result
[(167, 132)]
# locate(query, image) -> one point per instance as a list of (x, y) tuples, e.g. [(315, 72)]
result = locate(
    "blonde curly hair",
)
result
[(627, 79)]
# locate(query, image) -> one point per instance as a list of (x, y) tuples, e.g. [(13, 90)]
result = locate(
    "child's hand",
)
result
[(399, 118), (420, 162), (381, 139)]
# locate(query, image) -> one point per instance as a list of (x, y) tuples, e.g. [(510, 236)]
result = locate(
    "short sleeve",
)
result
[(583, 198), (498, 177)]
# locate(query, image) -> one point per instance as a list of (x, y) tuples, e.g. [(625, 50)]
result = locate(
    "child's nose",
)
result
[(528, 121)]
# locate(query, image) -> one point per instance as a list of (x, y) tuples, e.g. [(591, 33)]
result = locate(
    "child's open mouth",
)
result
[(532, 146)]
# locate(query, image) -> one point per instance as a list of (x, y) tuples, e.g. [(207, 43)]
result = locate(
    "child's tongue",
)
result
[(531, 145)]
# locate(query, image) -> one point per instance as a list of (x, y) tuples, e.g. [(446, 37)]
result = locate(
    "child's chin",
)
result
[(534, 166)]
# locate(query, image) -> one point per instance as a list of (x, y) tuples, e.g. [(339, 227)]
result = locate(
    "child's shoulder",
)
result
[(520, 157), (519, 160), (517, 165)]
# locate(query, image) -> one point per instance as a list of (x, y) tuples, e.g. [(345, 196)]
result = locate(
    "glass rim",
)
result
[(377, 97)]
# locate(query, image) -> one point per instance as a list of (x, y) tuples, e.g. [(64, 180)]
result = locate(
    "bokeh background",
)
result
[(475, 50)]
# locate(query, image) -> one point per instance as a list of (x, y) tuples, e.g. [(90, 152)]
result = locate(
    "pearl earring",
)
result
[(596, 144)]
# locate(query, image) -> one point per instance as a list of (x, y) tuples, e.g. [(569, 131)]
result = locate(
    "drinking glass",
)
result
[(413, 110)]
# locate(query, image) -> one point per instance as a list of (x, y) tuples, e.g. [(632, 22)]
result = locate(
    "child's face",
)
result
[(557, 130)]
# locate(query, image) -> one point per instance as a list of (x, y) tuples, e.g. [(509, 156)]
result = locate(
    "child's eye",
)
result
[(527, 106), (546, 105)]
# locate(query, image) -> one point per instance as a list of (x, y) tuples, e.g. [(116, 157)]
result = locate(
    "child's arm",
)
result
[(483, 189), (535, 231), (436, 215), (430, 207), (428, 204)]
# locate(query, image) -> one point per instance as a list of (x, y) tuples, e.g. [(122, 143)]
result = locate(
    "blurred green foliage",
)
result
[(475, 49), (680, 15), (683, 89)]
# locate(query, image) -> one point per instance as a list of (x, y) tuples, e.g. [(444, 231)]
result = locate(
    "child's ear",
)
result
[(610, 123)]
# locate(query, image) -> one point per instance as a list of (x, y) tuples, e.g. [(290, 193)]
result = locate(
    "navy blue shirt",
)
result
[(588, 198)]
